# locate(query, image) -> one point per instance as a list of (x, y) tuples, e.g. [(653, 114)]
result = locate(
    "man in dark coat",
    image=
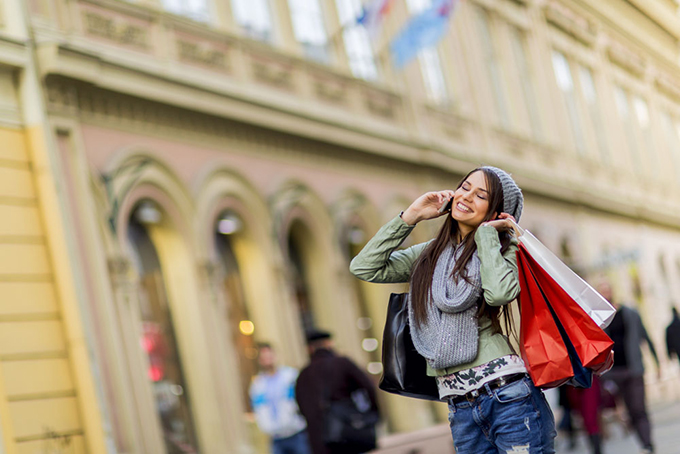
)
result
[(628, 333), (673, 336), (328, 377)]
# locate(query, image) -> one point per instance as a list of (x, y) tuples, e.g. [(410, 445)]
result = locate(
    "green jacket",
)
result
[(380, 262)]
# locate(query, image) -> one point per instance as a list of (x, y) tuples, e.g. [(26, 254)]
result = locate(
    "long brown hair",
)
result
[(421, 277)]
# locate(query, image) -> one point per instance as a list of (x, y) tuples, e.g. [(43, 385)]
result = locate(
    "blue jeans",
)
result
[(513, 419), (297, 444)]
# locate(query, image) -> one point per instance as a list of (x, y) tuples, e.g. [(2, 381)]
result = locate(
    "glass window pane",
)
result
[(431, 68), (492, 63), (623, 107), (416, 6), (644, 123), (590, 95), (562, 72), (641, 111), (196, 9), (309, 29), (565, 82), (254, 17), (430, 61), (526, 79), (621, 102), (159, 342), (357, 42), (672, 132)]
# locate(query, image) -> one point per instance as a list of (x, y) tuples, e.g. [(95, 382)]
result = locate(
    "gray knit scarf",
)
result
[(449, 337)]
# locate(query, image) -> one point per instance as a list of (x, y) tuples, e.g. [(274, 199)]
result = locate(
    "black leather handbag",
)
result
[(404, 369)]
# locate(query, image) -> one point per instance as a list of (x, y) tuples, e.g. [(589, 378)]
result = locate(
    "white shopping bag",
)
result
[(594, 304)]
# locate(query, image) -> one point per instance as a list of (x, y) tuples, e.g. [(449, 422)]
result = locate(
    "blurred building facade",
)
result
[(183, 178)]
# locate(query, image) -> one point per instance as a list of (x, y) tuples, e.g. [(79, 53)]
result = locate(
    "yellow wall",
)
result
[(37, 391)]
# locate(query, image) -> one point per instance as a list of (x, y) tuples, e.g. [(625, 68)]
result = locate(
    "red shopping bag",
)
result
[(541, 346), (591, 343)]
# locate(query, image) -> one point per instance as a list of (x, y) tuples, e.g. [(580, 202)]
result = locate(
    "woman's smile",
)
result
[(471, 203), (464, 208)]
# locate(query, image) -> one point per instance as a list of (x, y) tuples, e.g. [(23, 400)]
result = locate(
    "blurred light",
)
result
[(148, 213), (155, 372), (374, 368), (246, 327), (355, 236), (369, 344), (177, 390), (229, 223), (364, 323)]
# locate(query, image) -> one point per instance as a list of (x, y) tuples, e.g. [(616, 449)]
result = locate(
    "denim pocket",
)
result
[(512, 392), (452, 412)]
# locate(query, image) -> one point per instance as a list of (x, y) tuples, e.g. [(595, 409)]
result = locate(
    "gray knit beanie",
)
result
[(513, 200)]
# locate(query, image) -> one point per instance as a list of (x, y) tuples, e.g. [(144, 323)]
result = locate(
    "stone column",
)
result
[(143, 416)]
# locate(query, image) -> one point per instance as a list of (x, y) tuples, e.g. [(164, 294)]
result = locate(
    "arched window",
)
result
[(239, 318), (158, 339), (298, 256)]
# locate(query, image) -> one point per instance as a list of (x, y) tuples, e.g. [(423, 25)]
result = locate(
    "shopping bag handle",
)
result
[(518, 231)]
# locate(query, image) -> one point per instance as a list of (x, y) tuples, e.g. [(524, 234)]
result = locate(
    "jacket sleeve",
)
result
[(500, 281), (261, 408), (380, 262), (669, 346), (645, 336)]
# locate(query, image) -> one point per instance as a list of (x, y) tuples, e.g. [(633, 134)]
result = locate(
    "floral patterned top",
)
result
[(464, 381)]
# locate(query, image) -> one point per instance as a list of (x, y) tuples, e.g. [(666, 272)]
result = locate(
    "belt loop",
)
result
[(489, 391)]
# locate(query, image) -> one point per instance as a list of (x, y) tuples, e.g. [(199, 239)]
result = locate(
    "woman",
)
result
[(460, 285)]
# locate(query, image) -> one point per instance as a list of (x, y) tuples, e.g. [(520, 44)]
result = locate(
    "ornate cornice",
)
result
[(626, 59), (570, 22), (668, 85)]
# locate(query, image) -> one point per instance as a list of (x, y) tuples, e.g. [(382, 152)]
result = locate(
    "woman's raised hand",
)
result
[(427, 207), (502, 223)]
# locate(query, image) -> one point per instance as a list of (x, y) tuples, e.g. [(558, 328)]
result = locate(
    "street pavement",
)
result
[(665, 429)]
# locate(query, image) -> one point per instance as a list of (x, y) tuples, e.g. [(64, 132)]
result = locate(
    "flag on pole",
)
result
[(422, 31), (372, 16)]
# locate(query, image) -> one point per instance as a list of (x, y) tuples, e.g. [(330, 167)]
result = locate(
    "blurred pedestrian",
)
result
[(673, 336), (328, 379), (272, 394), (566, 424), (628, 332), (588, 403), (461, 284)]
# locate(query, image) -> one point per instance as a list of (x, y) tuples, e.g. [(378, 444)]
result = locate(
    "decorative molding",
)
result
[(118, 29), (329, 89), (627, 59), (119, 268), (668, 85), (570, 22), (202, 53), (272, 71), (381, 104), (451, 124), (37, 8), (93, 105)]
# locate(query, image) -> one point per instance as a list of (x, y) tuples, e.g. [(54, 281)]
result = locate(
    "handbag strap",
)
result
[(517, 230)]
